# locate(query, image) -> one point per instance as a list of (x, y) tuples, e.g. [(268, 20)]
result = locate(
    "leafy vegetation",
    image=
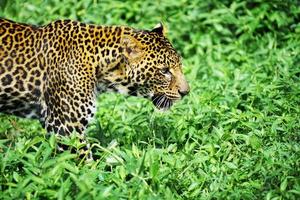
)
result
[(235, 136)]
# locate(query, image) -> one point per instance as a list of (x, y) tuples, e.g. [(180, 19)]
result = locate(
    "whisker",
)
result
[(158, 101), (156, 97), (162, 100), (134, 91), (164, 103), (168, 104), (112, 85)]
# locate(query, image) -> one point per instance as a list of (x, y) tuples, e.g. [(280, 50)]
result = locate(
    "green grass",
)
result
[(235, 136)]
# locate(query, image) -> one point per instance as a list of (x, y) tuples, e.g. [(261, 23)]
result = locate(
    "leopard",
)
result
[(54, 72)]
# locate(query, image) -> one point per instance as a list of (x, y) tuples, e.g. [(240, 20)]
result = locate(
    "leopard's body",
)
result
[(54, 72)]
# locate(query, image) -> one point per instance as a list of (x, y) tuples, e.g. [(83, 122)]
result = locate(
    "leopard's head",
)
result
[(153, 68)]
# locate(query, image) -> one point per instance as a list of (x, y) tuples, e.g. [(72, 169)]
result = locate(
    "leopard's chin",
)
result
[(162, 102)]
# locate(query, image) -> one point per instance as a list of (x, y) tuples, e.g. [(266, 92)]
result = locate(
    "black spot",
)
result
[(46, 96), (61, 131), (76, 98), (82, 108), (6, 80), (116, 67), (36, 92), (66, 21), (49, 129), (138, 78), (133, 90), (120, 49), (107, 61), (30, 87), (76, 104), (57, 122), (113, 53), (8, 90), (15, 94), (11, 31), (37, 82), (111, 44), (66, 117), (107, 52), (124, 83), (70, 129), (83, 121), (78, 129)]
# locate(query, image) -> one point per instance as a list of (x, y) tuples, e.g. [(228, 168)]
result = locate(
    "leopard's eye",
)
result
[(165, 71)]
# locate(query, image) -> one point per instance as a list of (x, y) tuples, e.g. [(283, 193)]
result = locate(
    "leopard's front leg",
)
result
[(68, 104)]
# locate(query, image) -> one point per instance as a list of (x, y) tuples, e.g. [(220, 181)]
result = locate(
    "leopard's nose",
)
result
[(183, 86), (183, 92)]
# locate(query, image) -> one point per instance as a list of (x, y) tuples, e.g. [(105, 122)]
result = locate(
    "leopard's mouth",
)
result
[(162, 102)]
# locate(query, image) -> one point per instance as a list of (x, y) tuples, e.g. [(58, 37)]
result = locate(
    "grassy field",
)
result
[(235, 136)]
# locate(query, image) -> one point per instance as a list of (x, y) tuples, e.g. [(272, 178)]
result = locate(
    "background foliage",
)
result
[(236, 136)]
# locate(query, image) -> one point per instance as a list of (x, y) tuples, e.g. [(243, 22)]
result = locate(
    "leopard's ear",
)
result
[(133, 49), (160, 29)]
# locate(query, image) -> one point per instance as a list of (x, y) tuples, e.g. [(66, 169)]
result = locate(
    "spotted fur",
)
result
[(54, 72)]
